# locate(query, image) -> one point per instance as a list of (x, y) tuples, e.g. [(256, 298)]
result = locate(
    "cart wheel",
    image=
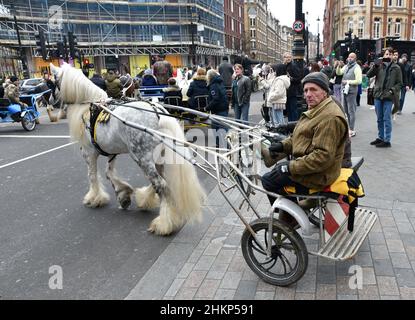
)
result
[(289, 256), (28, 122)]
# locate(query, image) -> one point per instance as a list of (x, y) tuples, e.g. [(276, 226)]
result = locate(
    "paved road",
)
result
[(103, 253)]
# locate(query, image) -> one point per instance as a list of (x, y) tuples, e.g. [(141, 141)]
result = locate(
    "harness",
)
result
[(99, 115)]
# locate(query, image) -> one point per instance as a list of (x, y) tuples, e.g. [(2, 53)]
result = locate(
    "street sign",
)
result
[(298, 26)]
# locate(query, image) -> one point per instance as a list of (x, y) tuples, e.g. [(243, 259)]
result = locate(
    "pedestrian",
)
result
[(352, 77), (149, 80), (295, 87), (406, 79), (198, 88), (162, 70), (173, 90), (217, 104), (99, 81), (360, 87), (277, 85), (314, 67), (338, 78), (388, 84), (113, 84), (226, 71), (241, 94)]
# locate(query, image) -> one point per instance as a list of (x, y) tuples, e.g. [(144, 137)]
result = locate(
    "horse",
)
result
[(174, 188)]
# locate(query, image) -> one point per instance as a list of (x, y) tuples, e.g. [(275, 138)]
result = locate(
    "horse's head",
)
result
[(74, 87)]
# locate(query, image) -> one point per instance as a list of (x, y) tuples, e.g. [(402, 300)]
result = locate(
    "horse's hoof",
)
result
[(125, 203)]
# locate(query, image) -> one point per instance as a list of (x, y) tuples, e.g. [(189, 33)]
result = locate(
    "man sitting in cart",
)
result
[(317, 145)]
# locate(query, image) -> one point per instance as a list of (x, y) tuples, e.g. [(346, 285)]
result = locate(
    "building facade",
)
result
[(369, 20), (256, 28), (234, 26), (113, 33)]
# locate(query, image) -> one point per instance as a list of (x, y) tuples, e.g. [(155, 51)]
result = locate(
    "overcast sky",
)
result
[(284, 10)]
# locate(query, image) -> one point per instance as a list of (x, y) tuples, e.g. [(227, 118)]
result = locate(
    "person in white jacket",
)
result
[(276, 86)]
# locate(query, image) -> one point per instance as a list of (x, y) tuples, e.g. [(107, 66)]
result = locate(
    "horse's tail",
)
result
[(181, 177), (76, 122)]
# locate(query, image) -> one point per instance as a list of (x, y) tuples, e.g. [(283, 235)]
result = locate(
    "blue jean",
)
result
[(402, 101), (242, 112), (292, 111), (277, 116), (384, 114)]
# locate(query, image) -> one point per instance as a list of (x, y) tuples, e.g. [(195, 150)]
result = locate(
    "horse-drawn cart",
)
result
[(274, 250), (279, 257)]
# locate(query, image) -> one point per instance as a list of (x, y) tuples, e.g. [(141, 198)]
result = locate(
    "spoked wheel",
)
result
[(29, 122), (289, 257)]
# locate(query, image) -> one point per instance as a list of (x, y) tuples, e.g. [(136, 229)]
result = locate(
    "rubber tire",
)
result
[(297, 242), (32, 124)]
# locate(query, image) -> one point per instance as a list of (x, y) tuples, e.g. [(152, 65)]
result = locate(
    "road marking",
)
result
[(34, 137), (37, 155)]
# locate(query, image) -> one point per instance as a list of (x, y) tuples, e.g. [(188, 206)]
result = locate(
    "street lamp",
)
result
[(318, 39)]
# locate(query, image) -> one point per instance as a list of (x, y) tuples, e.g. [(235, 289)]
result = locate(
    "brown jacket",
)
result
[(317, 145)]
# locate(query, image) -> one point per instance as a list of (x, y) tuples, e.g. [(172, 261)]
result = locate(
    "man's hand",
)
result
[(283, 168), (276, 147)]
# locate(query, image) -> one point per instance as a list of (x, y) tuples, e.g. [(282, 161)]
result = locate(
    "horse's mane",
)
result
[(78, 89)]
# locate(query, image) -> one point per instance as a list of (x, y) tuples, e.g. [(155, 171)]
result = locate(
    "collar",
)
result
[(313, 112)]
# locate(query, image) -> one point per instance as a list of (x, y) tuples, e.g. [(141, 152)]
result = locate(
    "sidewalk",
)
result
[(204, 261)]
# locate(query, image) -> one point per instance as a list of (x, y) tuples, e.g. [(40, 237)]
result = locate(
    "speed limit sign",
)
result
[(298, 26)]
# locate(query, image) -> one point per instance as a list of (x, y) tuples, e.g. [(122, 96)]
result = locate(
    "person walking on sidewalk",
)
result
[(217, 104), (406, 79), (295, 78), (226, 72), (277, 85), (352, 77), (337, 87), (387, 86), (241, 94)]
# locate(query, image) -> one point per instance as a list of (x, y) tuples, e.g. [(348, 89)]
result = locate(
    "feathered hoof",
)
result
[(98, 201), (146, 198), (124, 199), (159, 228)]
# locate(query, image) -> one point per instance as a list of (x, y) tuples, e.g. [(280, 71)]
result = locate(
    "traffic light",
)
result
[(86, 62), (73, 45), (41, 45)]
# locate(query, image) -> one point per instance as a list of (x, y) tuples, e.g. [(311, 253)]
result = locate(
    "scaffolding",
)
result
[(106, 28)]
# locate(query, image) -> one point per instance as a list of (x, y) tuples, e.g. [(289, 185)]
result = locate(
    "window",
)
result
[(390, 21), (351, 2), (350, 25), (232, 6), (378, 3), (376, 28), (390, 3), (361, 2), (398, 27), (399, 3), (252, 22), (361, 29), (413, 30)]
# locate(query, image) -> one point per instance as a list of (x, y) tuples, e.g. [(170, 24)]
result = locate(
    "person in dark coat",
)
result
[(226, 72), (295, 77), (149, 80), (99, 81), (198, 87), (217, 105), (173, 90)]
